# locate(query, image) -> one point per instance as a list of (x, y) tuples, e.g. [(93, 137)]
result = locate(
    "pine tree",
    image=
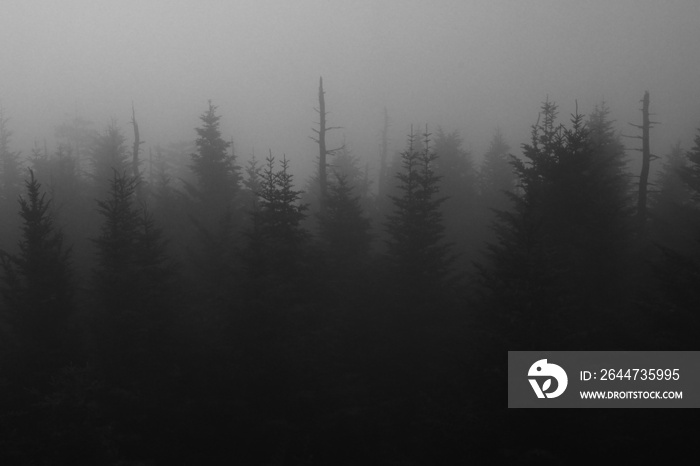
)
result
[(40, 162), (691, 174), (344, 229), (346, 165), (676, 228), (214, 210), (609, 162), (218, 176), (108, 153), (117, 239), (133, 279), (73, 200), (78, 137), (10, 166), (670, 186), (277, 241), (495, 180), (496, 176), (10, 180), (673, 224), (416, 250), (252, 183), (37, 284), (559, 263), (458, 185)]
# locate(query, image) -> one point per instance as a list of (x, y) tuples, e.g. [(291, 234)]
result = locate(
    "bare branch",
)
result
[(333, 151)]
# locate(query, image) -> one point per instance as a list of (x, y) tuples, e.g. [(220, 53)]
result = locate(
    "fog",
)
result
[(200, 309), (470, 66)]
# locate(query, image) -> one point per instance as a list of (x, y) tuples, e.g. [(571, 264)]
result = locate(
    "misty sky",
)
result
[(464, 65)]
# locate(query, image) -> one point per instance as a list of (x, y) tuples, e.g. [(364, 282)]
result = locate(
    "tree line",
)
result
[(149, 314)]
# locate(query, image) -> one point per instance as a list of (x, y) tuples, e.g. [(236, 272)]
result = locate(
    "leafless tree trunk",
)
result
[(647, 157), (384, 155), (135, 155), (323, 151)]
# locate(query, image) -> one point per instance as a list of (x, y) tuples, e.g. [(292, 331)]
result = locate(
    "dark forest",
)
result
[(184, 304), (319, 232)]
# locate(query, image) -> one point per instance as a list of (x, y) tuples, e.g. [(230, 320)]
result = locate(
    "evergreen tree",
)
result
[(108, 153), (133, 281), (559, 265), (676, 222), (67, 186), (10, 166), (214, 211), (10, 180), (277, 240), (160, 181), (78, 137), (455, 168), (496, 179), (40, 162), (252, 183), (37, 286), (116, 243), (673, 223), (691, 174), (671, 188), (73, 200), (609, 164), (347, 165), (416, 251), (496, 176), (344, 229), (218, 177)]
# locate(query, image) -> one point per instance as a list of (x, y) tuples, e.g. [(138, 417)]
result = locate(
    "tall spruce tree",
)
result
[(10, 180), (218, 176), (691, 174), (496, 179), (214, 209), (496, 176), (676, 215), (458, 184), (276, 240), (36, 285), (133, 281), (251, 183), (344, 229), (10, 166), (108, 153), (671, 205), (418, 256), (558, 267)]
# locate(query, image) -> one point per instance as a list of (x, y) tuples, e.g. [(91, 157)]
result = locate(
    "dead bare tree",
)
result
[(323, 151), (135, 154), (647, 157), (384, 154)]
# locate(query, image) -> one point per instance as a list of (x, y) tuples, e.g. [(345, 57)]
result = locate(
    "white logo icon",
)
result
[(543, 369)]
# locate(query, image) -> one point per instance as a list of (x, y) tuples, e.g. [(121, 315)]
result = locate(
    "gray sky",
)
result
[(467, 65)]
